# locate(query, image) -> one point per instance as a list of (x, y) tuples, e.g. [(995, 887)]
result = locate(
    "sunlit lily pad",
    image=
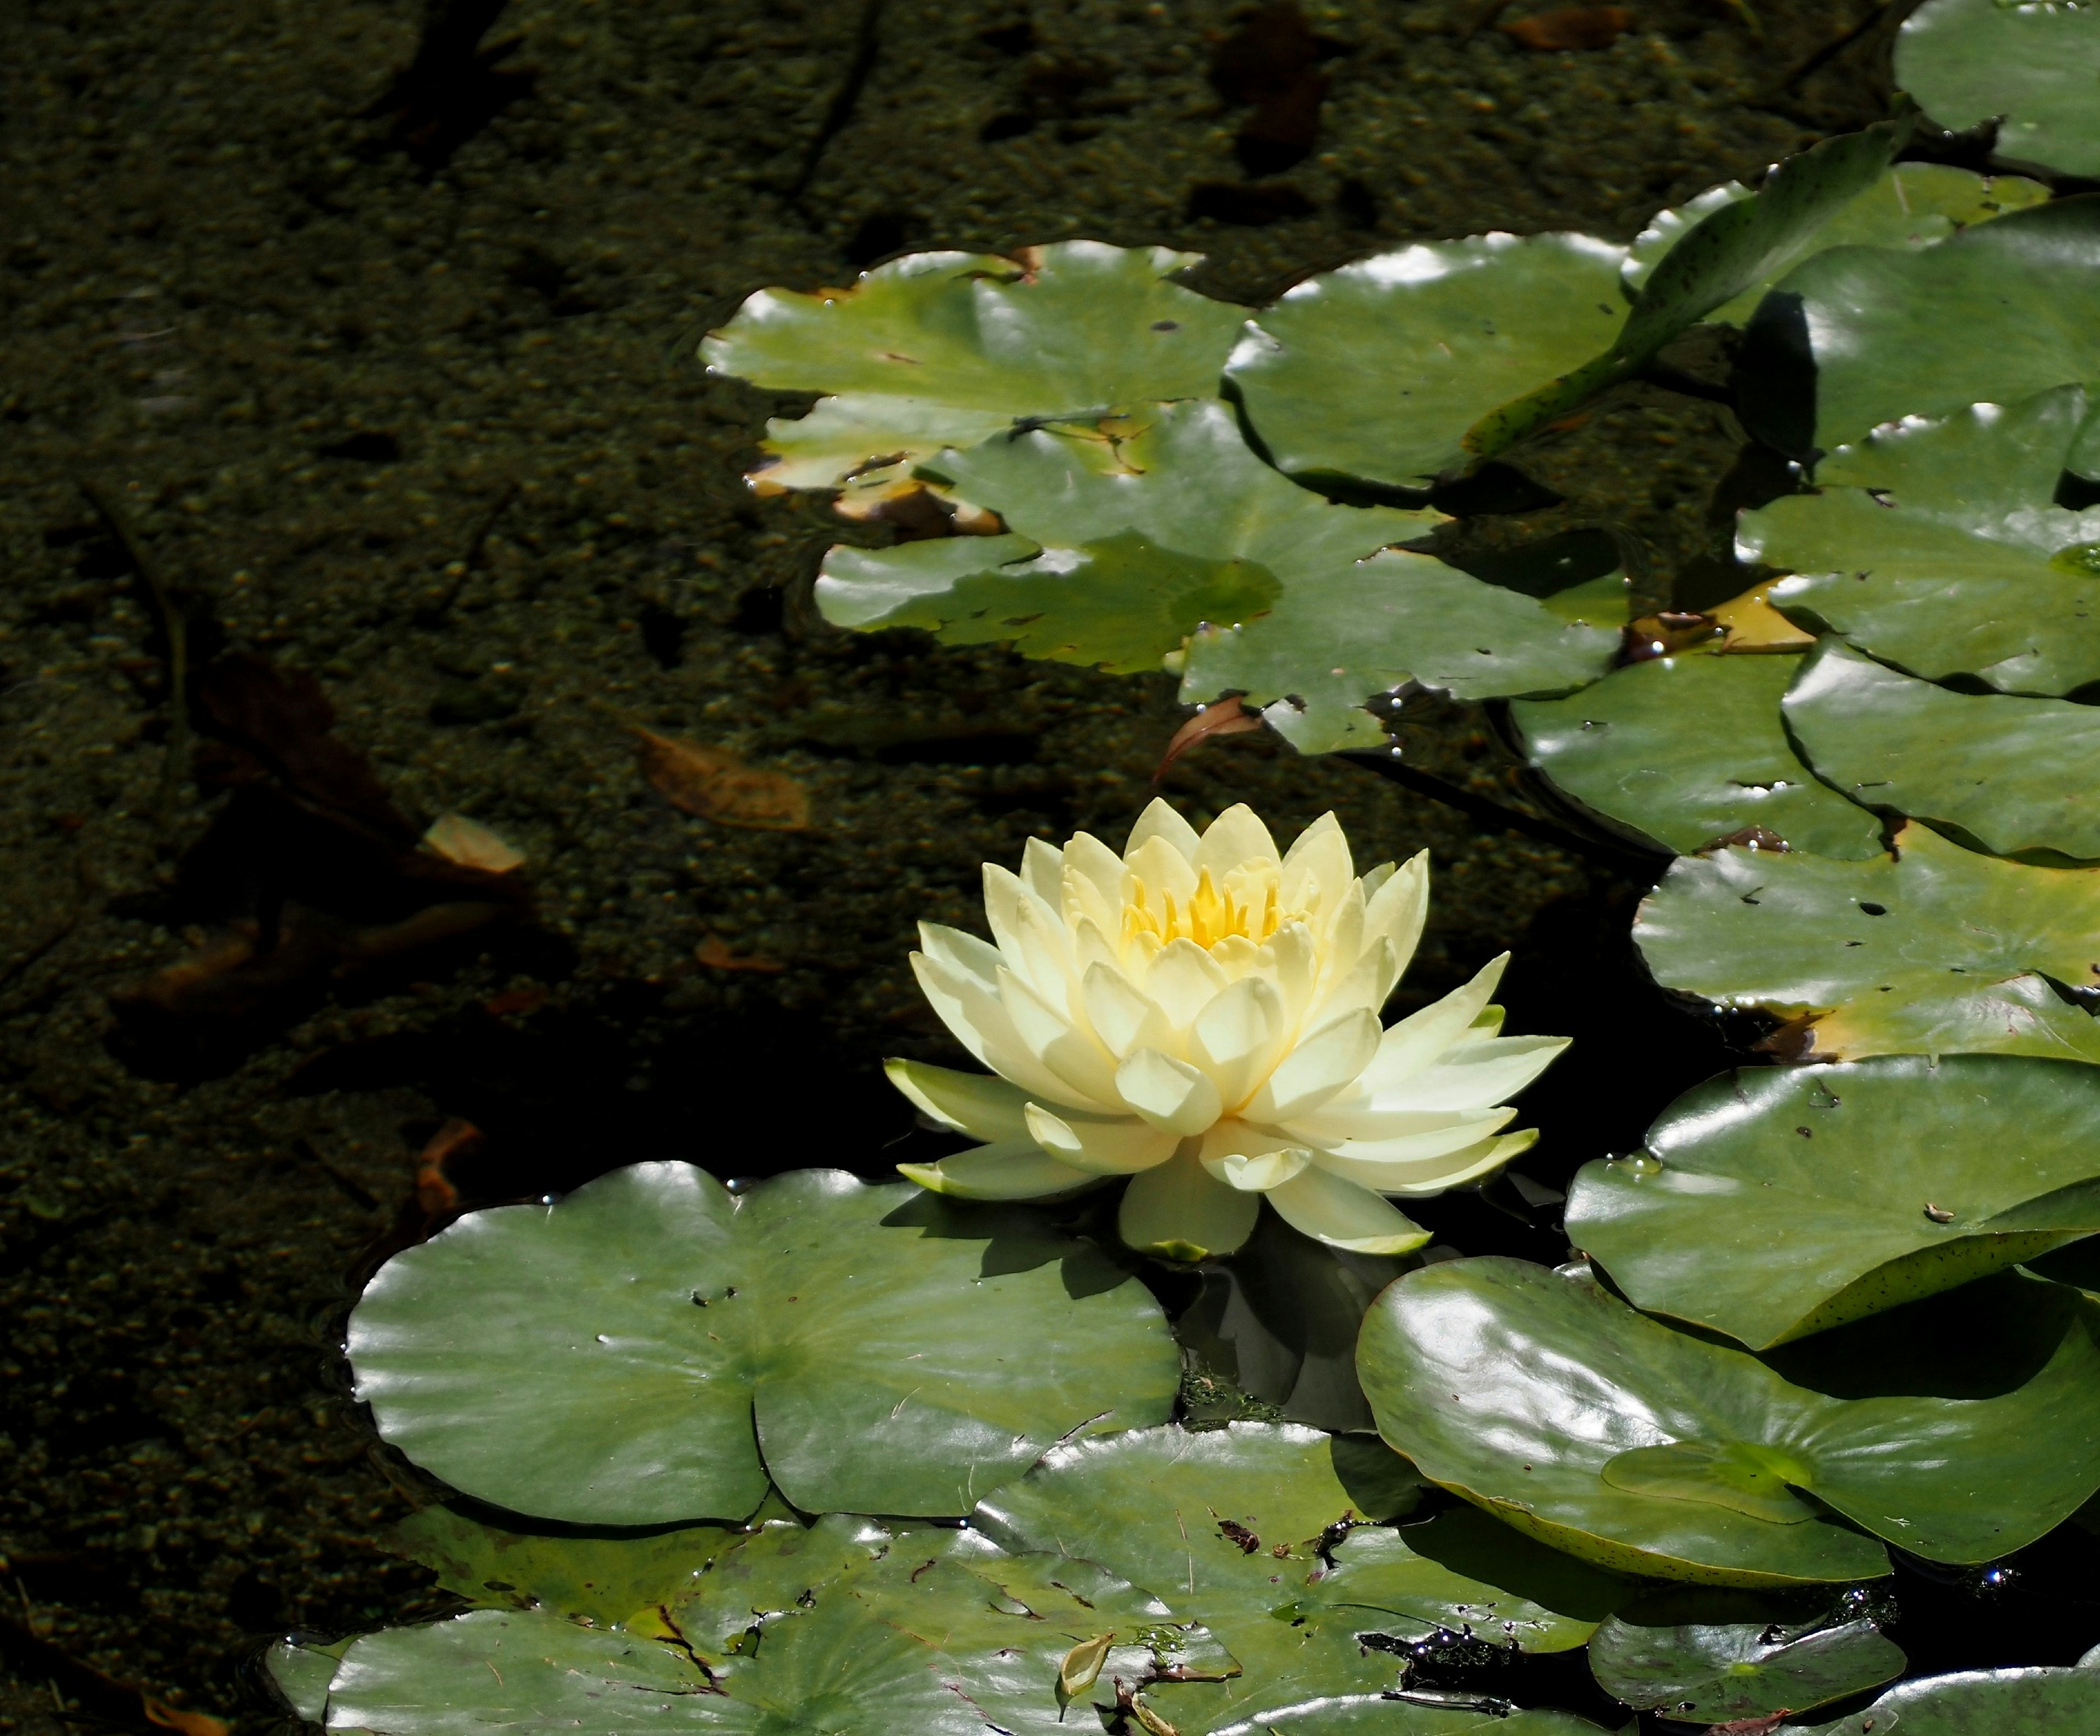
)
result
[(1683, 750), (1892, 334), (651, 1348), (1129, 539), (945, 349), (1543, 1398), (1935, 951), (1376, 371), (1383, 1714), (1714, 1673), (1776, 1201), (1937, 546), (1978, 1703), (2031, 66), (1912, 206), (2013, 773)]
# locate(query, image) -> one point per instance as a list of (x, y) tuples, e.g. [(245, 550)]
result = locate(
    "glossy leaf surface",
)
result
[(602, 1580), (1716, 1674), (1936, 545), (1979, 1703), (1376, 1715), (625, 1356), (2031, 68), (2010, 772), (1683, 750), (1935, 951), (1545, 1398), (1776, 1202)]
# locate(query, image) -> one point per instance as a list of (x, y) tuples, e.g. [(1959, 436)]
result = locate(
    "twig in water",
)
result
[(175, 625), (470, 557), (867, 44), (1830, 49), (1472, 23)]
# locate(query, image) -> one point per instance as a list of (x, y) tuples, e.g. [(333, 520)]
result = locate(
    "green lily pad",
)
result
[(1683, 750), (1545, 1399), (600, 1580), (1934, 950), (771, 1575), (1937, 546), (2013, 773), (945, 349), (1378, 1715), (301, 1674), (1163, 529), (1893, 333), (651, 1348), (1376, 371), (1978, 1703), (2031, 68), (1776, 1201), (1912, 206), (1717, 1672)]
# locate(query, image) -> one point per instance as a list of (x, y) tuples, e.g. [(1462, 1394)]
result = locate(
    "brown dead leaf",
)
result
[(188, 1723), (716, 785), (1754, 626), (1570, 27), (472, 844), (1228, 716), (1664, 635), (435, 1193), (716, 954)]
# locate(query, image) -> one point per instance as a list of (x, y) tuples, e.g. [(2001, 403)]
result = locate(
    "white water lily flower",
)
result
[(1202, 1016)]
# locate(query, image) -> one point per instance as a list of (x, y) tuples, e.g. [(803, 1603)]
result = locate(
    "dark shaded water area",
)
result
[(370, 348)]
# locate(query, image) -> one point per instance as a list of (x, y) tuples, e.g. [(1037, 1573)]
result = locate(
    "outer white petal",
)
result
[(1021, 1171), (1121, 1017), (1086, 858), (1366, 985), (1031, 940), (1396, 909), (1460, 1168), (1259, 1172), (1237, 1036), (1181, 981), (979, 1104), (1159, 820), (1295, 963), (1322, 1066), (1173, 1096), (1428, 1140), (961, 951), (1122, 1147), (1479, 1074), (1179, 1211), (1074, 1056), (1344, 1215), (1417, 1040), (1317, 870), (1376, 878), (1235, 836), (978, 1017), (1042, 871)]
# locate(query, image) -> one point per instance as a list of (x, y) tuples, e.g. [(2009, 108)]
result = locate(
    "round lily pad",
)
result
[(1545, 1399), (1977, 1702), (2031, 68), (1936, 950), (651, 1348), (2013, 773), (1936, 545), (1715, 1674), (1683, 750), (1776, 1201), (1376, 371), (1386, 1715)]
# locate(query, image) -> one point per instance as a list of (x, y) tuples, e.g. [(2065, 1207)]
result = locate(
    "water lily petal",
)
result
[(1164, 872), (1317, 868), (978, 1104), (1238, 1035), (1396, 909), (1042, 871), (1159, 820), (1173, 1096), (1179, 1211), (1122, 1147), (962, 952), (1417, 1040), (1074, 1055), (1321, 1067), (1031, 940), (1443, 1132), (1235, 837), (1479, 1074), (1256, 1172), (1122, 1018), (1005, 1170), (979, 1018), (1086, 858), (1182, 980), (1345, 1215), (1459, 1169)]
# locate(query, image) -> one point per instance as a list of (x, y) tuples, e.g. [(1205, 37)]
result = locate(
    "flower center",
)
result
[(1208, 915)]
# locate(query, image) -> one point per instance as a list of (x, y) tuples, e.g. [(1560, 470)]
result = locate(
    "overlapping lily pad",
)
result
[(1683, 750), (945, 349), (1891, 334), (1936, 950), (1937, 544), (1143, 531), (2030, 67), (1773, 1203), (1978, 1703), (1381, 1715), (1718, 1672), (651, 1348), (2013, 773), (1911, 205), (1545, 1399)]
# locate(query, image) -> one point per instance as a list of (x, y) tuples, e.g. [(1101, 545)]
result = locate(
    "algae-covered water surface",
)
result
[(436, 779)]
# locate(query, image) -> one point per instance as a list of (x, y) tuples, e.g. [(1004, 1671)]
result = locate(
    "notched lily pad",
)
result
[(1936, 950), (1977, 1702), (2030, 67), (651, 1348), (1773, 1203), (1937, 546), (1718, 1672)]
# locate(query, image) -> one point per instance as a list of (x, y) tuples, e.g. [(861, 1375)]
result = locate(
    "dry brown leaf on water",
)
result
[(1570, 27), (472, 844), (1754, 626), (1228, 716), (716, 785), (186, 1723)]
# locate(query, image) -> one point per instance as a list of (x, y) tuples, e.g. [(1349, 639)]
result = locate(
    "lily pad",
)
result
[(1978, 1703), (1718, 1673), (301, 1674), (1543, 1398), (1162, 529), (651, 1348), (1383, 1715), (2013, 773), (1683, 750), (1912, 206), (2031, 68), (1891, 333), (1936, 545), (1933, 951), (1775, 1202), (1376, 371), (945, 349)]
